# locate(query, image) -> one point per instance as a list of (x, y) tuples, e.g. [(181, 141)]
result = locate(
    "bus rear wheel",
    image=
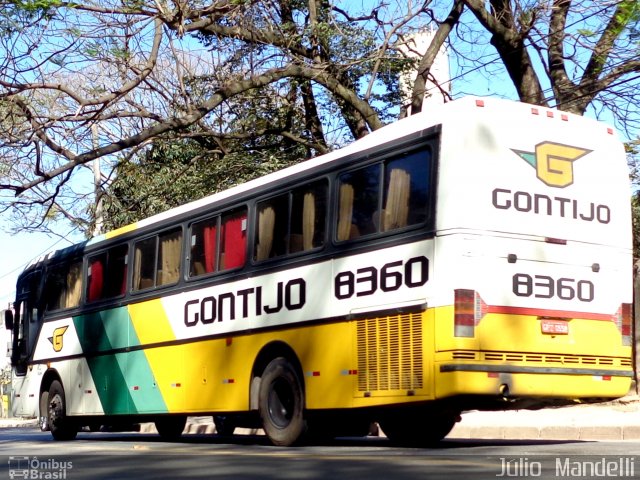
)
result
[(62, 428), (417, 428), (281, 403)]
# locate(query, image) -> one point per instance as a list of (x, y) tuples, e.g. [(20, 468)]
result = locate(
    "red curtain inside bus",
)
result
[(209, 234), (235, 241), (95, 280)]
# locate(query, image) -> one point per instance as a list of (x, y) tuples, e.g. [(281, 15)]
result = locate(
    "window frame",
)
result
[(384, 161), (87, 264), (289, 191), (219, 216), (156, 237), (66, 266)]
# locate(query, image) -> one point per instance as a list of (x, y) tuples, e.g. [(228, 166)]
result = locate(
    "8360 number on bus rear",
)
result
[(544, 286)]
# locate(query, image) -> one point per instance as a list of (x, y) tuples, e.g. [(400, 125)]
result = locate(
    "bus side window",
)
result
[(144, 260), (74, 284), (95, 277), (64, 286), (107, 274), (116, 276), (229, 233), (308, 217), (405, 196), (169, 256), (203, 247), (157, 260), (358, 194), (406, 191), (272, 227)]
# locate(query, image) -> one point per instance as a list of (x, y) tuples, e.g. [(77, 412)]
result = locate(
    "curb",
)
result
[(615, 420), (18, 422), (560, 432), (200, 427)]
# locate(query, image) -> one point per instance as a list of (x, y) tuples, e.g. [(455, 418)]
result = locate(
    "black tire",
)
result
[(225, 425), (61, 426), (171, 428), (418, 429), (281, 403)]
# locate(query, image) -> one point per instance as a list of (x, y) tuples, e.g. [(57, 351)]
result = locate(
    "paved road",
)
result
[(141, 456)]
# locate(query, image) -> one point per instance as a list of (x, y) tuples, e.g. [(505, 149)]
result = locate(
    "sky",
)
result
[(16, 251)]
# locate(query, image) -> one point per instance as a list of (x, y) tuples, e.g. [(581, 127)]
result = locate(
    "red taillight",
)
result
[(468, 311), (623, 319)]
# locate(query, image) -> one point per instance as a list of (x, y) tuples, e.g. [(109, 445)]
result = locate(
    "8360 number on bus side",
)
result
[(390, 277)]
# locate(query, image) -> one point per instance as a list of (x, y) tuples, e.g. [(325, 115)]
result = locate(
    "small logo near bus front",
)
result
[(553, 162), (56, 340)]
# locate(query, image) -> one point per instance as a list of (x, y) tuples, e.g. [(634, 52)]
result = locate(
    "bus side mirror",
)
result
[(8, 319)]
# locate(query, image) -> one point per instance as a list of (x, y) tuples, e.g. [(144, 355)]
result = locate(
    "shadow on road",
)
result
[(261, 440)]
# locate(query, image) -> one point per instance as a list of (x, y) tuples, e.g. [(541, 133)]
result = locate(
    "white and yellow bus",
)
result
[(475, 256)]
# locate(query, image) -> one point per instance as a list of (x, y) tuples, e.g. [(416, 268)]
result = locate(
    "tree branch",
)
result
[(424, 68), (231, 88), (560, 81), (511, 47)]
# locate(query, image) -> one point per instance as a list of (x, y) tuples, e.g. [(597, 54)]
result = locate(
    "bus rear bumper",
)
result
[(509, 382)]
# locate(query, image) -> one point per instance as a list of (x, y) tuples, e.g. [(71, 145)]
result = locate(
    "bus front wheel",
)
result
[(43, 419), (62, 428), (171, 428), (281, 403), (225, 425)]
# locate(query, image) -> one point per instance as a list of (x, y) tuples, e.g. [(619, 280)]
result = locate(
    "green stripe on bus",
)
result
[(143, 389), (106, 330), (110, 383), (124, 381)]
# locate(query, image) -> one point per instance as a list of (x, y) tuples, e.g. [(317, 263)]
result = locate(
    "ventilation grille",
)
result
[(461, 355), (550, 358), (390, 353)]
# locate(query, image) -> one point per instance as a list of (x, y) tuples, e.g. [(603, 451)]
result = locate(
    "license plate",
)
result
[(555, 327)]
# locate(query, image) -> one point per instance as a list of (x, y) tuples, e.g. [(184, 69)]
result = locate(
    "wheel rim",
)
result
[(56, 409), (281, 403)]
